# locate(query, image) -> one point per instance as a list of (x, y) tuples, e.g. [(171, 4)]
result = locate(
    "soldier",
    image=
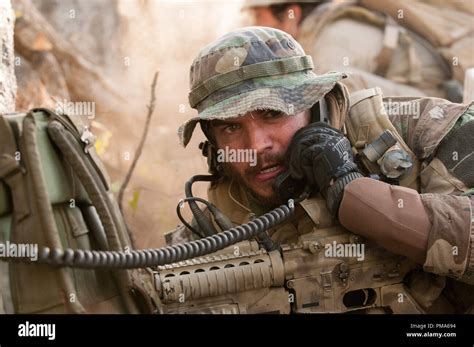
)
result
[(254, 90), (415, 48)]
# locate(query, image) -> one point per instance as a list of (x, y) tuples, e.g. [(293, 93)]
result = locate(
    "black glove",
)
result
[(323, 156)]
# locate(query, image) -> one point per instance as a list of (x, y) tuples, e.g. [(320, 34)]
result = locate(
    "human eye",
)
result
[(273, 115), (231, 128)]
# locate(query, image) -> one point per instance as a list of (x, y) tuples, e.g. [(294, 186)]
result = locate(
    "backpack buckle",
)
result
[(88, 139)]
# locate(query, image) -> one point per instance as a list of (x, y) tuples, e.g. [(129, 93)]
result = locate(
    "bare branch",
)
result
[(151, 109)]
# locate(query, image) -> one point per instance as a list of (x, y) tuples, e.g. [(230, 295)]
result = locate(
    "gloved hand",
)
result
[(322, 155)]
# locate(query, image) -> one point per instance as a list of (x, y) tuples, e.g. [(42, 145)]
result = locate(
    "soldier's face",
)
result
[(263, 135)]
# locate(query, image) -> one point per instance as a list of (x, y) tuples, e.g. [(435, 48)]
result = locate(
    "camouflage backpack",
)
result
[(55, 192)]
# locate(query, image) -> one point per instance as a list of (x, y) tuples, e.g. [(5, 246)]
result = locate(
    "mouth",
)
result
[(269, 172)]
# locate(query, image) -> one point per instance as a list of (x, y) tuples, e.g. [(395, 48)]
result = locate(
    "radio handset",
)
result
[(286, 187)]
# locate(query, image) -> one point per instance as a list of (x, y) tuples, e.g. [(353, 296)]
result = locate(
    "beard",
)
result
[(248, 176)]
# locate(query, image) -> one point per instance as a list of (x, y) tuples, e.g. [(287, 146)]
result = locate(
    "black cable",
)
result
[(166, 255), (223, 222), (202, 221), (220, 218), (185, 223), (262, 238), (196, 198)]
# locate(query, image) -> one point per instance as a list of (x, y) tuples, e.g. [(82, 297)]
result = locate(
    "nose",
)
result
[(259, 138)]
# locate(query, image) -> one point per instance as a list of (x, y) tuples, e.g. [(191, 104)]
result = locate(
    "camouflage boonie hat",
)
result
[(253, 68)]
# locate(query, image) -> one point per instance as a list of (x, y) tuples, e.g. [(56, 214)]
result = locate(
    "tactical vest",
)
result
[(407, 48), (54, 192), (428, 130)]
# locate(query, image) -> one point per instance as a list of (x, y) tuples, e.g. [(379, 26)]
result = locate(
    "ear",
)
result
[(291, 20), (210, 152), (293, 14)]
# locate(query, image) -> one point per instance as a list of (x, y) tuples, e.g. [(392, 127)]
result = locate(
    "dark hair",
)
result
[(279, 11), (209, 151), (206, 129)]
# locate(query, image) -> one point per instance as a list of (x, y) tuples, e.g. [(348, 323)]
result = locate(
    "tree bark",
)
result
[(38, 41), (7, 73), (7, 104)]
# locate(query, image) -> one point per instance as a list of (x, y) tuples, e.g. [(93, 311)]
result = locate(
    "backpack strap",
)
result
[(97, 192), (34, 289), (77, 130), (41, 288), (41, 200), (390, 43), (11, 171)]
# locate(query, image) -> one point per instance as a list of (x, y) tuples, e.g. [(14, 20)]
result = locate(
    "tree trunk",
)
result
[(7, 104), (49, 52), (7, 74)]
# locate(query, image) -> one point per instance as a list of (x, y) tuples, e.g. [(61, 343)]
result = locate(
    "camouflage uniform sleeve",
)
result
[(182, 234), (179, 235), (451, 238)]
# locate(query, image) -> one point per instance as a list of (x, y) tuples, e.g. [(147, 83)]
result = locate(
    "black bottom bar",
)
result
[(327, 330)]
